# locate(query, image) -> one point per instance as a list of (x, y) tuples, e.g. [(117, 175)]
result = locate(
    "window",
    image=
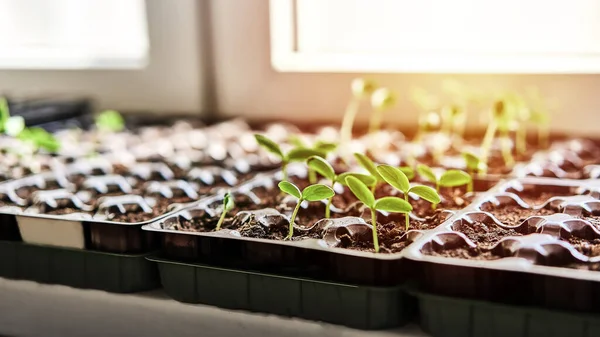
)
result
[(73, 34), (472, 36)]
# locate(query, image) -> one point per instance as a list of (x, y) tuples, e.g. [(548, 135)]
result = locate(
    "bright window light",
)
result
[(509, 36), (73, 34)]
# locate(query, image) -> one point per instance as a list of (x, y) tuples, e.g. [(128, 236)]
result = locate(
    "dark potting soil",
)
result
[(514, 215), (486, 236), (391, 237), (135, 214)]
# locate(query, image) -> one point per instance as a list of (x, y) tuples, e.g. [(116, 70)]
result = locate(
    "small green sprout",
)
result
[(370, 166), (228, 205), (382, 99), (10, 125), (361, 89), (449, 178), (110, 121), (397, 179), (295, 154), (427, 104), (324, 147), (323, 167), (386, 204), (503, 116), (474, 164), (454, 114), (540, 116), (40, 138), (310, 193)]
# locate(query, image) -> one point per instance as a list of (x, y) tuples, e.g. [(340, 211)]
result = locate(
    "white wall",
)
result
[(171, 82), (247, 85)]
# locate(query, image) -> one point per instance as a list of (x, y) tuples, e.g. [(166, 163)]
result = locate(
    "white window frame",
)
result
[(286, 57)]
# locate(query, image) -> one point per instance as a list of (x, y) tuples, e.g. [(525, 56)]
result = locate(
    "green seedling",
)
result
[(324, 147), (110, 121), (10, 125), (295, 154), (386, 204), (397, 179), (473, 164), (325, 169), (454, 114), (382, 99), (40, 138), (228, 205), (503, 116), (361, 89), (427, 104), (370, 166), (311, 193), (523, 116), (449, 178)]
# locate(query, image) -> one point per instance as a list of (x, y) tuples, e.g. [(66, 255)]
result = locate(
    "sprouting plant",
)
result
[(323, 167), (228, 205), (10, 125), (397, 179), (295, 154), (110, 121), (428, 104), (503, 116), (449, 178), (382, 99), (324, 147), (310, 193), (523, 115), (370, 166), (361, 89), (386, 204), (454, 113), (473, 164), (40, 138)]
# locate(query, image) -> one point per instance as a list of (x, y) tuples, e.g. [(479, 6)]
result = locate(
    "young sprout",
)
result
[(295, 154), (381, 100), (454, 114), (10, 125), (361, 89), (40, 138), (522, 113), (110, 121), (502, 118), (370, 166), (386, 204), (450, 178), (310, 193), (397, 179), (474, 164), (427, 103), (228, 205), (324, 147), (321, 166)]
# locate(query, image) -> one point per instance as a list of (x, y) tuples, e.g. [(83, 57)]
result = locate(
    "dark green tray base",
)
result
[(354, 306), (77, 268), (449, 317)]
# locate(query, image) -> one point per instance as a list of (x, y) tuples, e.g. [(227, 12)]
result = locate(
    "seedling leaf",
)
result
[(300, 153), (269, 145), (290, 189), (427, 173), (427, 193), (393, 205), (394, 177), (471, 161), (321, 166), (408, 172), (296, 141), (110, 120), (325, 147), (41, 138), (4, 113), (361, 191), (368, 164), (317, 192), (366, 179), (228, 203), (14, 126), (452, 178)]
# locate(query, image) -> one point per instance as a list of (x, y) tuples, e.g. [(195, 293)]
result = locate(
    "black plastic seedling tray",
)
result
[(443, 316), (355, 306), (77, 268)]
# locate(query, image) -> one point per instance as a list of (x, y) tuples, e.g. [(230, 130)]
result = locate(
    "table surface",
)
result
[(32, 309)]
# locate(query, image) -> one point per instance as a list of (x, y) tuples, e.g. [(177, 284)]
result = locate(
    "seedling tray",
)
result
[(117, 273), (548, 259), (355, 306), (443, 316)]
